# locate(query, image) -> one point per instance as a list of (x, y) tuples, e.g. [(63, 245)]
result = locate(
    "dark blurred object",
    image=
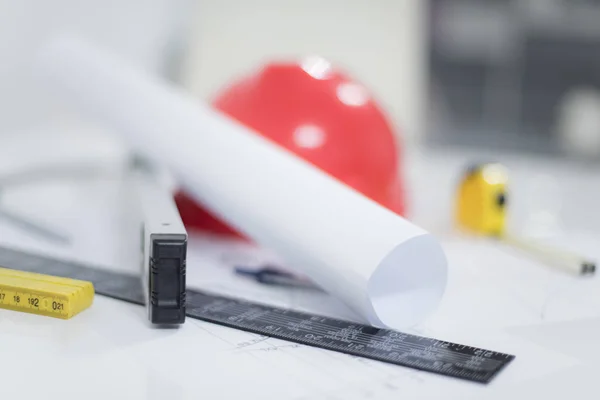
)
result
[(502, 69), (276, 277), (321, 115)]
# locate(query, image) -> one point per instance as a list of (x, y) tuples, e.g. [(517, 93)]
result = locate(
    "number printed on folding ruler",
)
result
[(43, 294), (26, 301)]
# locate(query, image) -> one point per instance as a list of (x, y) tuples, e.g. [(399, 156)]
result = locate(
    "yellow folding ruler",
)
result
[(44, 294)]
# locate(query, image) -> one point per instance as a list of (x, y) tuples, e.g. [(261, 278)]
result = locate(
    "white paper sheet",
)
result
[(388, 270), (495, 299)]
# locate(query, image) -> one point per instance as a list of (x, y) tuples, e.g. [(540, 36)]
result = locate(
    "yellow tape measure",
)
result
[(481, 209), (44, 294)]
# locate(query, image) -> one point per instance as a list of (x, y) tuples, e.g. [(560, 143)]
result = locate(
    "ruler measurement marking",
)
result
[(365, 352), (26, 300), (477, 376), (310, 323), (422, 353), (447, 357), (325, 330), (270, 333), (397, 345), (41, 294)]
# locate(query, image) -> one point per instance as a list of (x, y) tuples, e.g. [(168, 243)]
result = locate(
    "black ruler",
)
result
[(426, 354)]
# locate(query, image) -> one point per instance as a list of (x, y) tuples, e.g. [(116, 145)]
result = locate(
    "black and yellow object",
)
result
[(44, 294), (481, 202), (481, 208)]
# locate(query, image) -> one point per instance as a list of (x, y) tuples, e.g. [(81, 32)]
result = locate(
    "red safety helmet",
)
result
[(321, 115)]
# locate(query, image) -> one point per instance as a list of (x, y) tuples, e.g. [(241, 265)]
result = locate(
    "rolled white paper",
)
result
[(388, 270)]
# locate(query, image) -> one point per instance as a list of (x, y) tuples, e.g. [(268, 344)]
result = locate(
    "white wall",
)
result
[(138, 29), (380, 42)]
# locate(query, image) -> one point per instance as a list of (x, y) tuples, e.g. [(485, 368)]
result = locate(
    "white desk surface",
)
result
[(496, 299)]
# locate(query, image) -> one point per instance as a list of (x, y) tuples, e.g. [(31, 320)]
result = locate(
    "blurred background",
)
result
[(458, 81), (204, 44), (516, 74), (519, 74)]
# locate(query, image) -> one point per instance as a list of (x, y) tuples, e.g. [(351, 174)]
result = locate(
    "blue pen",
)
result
[(273, 276)]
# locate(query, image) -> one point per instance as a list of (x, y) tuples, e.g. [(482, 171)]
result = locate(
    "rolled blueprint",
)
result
[(389, 271)]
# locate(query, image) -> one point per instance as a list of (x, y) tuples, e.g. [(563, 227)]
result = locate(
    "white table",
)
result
[(496, 299)]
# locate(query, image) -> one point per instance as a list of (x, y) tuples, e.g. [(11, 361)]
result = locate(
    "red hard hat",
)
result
[(321, 115)]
